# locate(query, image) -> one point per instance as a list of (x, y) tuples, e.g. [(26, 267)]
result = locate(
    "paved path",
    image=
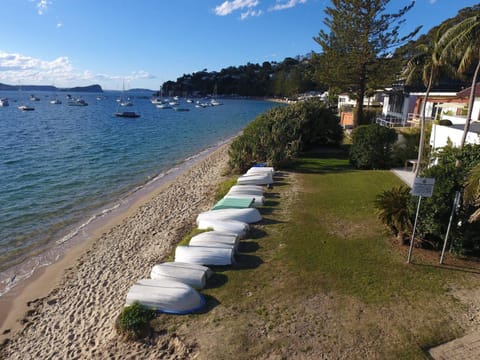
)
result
[(406, 175), (465, 348)]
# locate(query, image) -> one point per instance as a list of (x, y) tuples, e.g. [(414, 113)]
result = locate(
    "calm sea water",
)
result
[(62, 166)]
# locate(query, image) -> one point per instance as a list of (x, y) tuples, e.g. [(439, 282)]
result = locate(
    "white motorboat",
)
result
[(26, 108)]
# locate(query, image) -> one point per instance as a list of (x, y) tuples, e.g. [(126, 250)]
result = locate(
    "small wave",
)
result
[(77, 230), (10, 278)]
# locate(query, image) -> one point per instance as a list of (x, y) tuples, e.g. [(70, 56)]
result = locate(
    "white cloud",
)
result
[(432, 1), (250, 13), (281, 5), (228, 7), (42, 6), (21, 69), (59, 24)]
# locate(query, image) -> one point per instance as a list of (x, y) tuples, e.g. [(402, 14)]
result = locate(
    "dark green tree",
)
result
[(357, 52)]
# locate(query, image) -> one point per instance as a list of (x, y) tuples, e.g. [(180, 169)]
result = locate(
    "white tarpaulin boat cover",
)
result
[(215, 237), (232, 226), (191, 274), (258, 200), (248, 215), (205, 255), (255, 179), (166, 296)]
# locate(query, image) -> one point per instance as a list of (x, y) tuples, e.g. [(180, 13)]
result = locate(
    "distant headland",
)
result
[(91, 88)]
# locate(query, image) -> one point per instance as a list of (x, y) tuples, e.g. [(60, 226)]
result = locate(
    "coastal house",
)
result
[(345, 101), (346, 104), (455, 111), (403, 108)]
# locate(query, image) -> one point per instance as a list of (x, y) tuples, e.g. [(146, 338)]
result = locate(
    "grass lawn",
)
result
[(320, 278)]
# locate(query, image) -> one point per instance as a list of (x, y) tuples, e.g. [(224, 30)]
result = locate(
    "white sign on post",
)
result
[(423, 187)]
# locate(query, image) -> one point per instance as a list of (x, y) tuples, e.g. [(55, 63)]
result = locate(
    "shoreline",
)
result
[(153, 223), (75, 234)]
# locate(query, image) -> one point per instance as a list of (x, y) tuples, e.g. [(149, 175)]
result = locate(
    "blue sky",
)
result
[(146, 42)]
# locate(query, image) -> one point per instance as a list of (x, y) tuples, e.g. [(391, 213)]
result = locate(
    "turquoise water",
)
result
[(63, 165)]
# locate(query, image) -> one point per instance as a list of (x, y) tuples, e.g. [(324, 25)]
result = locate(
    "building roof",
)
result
[(466, 92)]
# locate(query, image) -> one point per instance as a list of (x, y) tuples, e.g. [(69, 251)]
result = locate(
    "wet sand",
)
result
[(69, 310)]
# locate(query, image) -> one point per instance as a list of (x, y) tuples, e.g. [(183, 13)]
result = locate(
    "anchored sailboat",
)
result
[(122, 102)]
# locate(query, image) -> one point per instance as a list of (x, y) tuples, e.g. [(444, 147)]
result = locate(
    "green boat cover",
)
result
[(234, 203)]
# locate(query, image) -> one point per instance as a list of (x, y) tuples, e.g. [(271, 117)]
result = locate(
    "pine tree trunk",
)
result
[(360, 96)]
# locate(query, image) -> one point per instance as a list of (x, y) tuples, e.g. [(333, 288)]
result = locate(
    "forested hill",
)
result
[(290, 77), (90, 88)]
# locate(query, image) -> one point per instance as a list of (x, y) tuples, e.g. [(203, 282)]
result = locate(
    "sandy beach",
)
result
[(75, 316)]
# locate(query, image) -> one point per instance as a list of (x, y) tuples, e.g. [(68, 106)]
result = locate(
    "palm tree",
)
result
[(471, 194), (462, 42), (391, 208), (429, 61)]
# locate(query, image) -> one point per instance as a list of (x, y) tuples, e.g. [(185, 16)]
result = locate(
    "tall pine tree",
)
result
[(357, 52)]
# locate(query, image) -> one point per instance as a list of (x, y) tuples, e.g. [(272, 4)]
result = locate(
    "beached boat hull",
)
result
[(248, 215), (257, 200), (247, 189), (172, 297), (191, 274), (215, 237), (205, 255), (232, 226), (255, 179), (216, 241), (261, 170)]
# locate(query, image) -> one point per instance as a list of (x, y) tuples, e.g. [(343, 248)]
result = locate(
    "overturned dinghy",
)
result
[(205, 255), (238, 228), (248, 215), (167, 296), (261, 170), (257, 200), (215, 238), (233, 202), (246, 189), (191, 274), (255, 179)]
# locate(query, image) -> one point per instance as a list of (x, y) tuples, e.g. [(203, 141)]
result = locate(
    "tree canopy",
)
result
[(357, 51)]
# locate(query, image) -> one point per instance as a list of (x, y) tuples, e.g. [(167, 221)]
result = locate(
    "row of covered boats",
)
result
[(173, 287)]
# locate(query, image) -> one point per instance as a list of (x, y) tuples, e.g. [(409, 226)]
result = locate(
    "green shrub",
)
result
[(372, 147), (435, 211), (392, 210), (278, 135), (406, 147), (134, 321)]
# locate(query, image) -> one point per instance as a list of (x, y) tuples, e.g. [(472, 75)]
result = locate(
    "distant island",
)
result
[(91, 88)]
